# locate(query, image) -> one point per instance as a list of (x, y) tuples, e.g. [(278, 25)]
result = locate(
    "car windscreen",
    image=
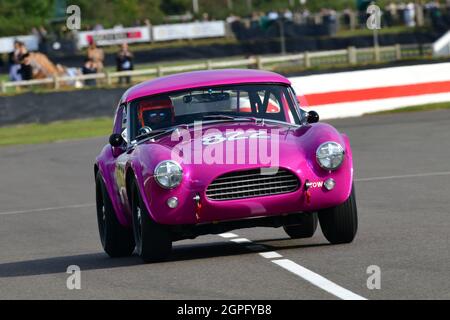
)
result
[(263, 101)]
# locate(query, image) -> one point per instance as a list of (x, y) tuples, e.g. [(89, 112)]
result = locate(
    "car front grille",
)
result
[(252, 183)]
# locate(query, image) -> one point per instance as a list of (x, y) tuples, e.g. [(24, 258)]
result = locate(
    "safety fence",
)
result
[(350, 56)]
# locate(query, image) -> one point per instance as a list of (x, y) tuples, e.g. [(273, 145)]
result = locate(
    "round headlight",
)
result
[(330, 155), (168, 174)]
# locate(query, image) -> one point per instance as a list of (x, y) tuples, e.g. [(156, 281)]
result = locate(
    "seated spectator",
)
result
[(96, 55), (15, 59), (124, 61), (89, 68), (26, 70)]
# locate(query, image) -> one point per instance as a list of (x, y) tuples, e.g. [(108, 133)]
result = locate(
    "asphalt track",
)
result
[(47, 222)]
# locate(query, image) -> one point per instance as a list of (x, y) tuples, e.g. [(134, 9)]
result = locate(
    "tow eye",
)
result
[(307, 186), (198, 206)]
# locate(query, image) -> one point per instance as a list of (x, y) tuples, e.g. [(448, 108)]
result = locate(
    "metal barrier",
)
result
[(350, 56)]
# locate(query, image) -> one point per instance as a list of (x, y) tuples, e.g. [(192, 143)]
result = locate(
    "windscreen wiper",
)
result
[(153, 134), (222, 117)]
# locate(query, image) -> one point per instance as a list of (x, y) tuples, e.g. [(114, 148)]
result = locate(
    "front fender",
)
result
[(106, 168)]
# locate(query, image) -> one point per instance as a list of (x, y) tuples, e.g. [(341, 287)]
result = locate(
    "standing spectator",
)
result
[(96, 55), (89, 68), (391, 16), (124, 61), (26, 70), (288, 15), (410, 15), (43, 39)]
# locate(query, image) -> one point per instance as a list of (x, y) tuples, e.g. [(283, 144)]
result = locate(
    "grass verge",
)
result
[(98, 127), (55, 131), (426, 107)]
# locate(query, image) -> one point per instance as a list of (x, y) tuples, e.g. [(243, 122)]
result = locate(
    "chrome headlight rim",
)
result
[(156, 175), (341, 150)]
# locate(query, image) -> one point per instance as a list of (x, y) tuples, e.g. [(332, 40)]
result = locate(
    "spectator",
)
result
[(390, 14), (26, 70), (43, 39), (89, 68), (124, 62), (96, 55), (273, 15), (98, 27), (410, 15), (288, 15), (147, 23), (14, 62), (15, 59)]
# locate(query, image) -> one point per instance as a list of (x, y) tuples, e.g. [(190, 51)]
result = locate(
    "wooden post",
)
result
[(307, 60), (56, 82), (108, 78), (377, 54), (259, 63), (352, 57), (3, 87), (209, 64), (159, 71), (398, 52)]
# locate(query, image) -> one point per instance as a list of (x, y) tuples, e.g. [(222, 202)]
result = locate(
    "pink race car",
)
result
[(211, 151)]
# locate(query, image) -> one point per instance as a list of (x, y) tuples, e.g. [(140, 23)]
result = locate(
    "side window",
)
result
[(124, 121)]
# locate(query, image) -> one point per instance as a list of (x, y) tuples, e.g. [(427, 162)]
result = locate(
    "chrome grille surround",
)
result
[(252, 183)]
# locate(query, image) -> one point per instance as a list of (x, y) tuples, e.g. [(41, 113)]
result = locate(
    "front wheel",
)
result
[(153, 241), (117, 240), (340, 224)]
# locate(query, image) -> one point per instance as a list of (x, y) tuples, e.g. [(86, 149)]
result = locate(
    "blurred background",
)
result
[(50, 49)]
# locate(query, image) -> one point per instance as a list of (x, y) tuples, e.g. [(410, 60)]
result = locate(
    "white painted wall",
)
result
[(367, 79)]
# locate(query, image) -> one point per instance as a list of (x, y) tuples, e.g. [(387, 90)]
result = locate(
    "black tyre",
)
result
[(304, 230), (340, 224), (153, 241), (117, 240)]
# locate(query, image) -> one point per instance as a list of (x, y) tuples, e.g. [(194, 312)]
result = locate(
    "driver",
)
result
[(156, 114)]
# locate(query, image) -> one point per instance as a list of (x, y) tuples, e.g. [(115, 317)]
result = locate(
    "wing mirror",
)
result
[(116, 140), (312, 117)]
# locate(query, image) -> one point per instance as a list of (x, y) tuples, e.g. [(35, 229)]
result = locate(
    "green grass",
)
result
[(55, 131), (426, 107), (98, 127)]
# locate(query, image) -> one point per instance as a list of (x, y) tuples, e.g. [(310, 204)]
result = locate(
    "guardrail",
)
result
[(351, 56)]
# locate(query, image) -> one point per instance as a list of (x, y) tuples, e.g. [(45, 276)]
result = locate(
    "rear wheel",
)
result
[(117, 240), (153, 241), (304, 230), (340, 224)]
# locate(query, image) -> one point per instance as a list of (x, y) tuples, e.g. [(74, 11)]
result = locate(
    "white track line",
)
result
[(418, 175), (318, 280), (228, 235), (297, 269), (76, 206), (270, 255)]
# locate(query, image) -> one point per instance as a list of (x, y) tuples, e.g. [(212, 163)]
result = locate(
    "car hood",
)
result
[(232, 143), (225, 147)]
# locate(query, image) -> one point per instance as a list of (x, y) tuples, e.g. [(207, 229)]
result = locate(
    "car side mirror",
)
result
[(312, 117), (116, 140)]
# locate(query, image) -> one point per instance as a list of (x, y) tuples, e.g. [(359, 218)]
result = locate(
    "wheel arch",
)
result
[(134, 174)]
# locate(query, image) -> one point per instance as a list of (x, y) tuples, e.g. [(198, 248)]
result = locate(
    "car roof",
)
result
[(201, 79)]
